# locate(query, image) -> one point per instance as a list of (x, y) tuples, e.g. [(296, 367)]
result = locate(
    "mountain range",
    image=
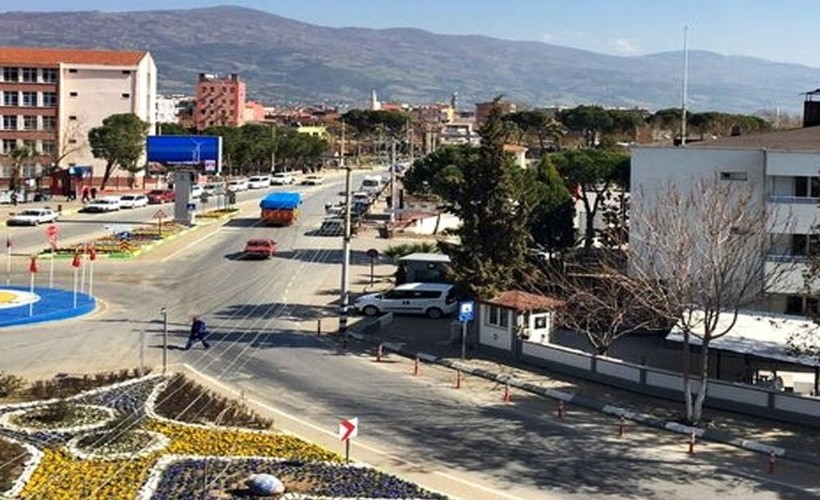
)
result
[(286, 62)]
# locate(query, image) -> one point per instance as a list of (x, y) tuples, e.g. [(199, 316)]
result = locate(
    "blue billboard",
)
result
[(202, 151)]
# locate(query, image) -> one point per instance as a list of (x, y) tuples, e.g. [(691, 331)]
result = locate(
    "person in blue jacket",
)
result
[(199, 332)]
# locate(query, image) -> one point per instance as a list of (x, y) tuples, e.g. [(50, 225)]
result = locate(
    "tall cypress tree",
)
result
[(495, 218)]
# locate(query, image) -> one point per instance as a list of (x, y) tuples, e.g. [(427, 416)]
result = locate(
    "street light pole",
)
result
[(345, 292)]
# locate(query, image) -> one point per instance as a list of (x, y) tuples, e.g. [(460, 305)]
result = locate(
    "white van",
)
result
[(372, 184), (433, 300), (237, 185)]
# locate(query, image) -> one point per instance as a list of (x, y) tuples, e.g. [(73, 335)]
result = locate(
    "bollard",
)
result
[(692, 442), (772, 460), (379, 353), (507, 394), (318, 327), (416, 366), (560, 411), (621, 426), (458, 379)]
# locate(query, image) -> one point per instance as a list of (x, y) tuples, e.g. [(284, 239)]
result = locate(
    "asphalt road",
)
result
[(263, 314)]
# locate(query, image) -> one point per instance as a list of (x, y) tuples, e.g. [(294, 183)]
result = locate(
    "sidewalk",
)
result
[(432, 341)]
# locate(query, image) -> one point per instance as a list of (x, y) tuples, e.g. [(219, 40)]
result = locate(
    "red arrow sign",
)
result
[(348, 429)]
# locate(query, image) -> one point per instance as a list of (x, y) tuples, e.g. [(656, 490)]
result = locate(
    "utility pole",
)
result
[(685, 86), (392, 206), (345, 297), (273, 150)]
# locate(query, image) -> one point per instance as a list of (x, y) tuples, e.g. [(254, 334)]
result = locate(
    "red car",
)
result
[(260, 247), (161, 196)]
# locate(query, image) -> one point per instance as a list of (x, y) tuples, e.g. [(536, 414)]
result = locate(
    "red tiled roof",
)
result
[(524, 301), (45, 56)]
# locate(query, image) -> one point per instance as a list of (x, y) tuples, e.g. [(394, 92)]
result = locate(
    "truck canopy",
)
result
[(281, 201)]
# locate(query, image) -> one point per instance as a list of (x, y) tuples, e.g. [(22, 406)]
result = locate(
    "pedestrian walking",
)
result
[(14, 198), (86, 195), (199, 332), (93, 193)]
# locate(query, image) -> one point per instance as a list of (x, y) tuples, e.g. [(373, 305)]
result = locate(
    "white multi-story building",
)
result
[(784, 171), (169, 107), (51, 98)]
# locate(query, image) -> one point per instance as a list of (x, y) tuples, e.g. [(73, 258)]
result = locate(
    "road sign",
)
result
[(466, 311), (51, 231), (348, 429), (191, 207), (159, 214), (373, 253)]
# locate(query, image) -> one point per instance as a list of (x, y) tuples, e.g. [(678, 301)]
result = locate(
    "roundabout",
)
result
[(21, 306)]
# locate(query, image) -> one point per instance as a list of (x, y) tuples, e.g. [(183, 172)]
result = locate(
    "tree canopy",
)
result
[(120, 141)]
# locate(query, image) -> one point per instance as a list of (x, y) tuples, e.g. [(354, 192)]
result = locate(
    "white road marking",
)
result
[(216, 381), (185, 248)]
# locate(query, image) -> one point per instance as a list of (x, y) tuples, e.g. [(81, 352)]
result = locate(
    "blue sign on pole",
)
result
[(466, 311)]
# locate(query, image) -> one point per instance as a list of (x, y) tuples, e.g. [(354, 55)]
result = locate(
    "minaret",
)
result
[(375, 105)]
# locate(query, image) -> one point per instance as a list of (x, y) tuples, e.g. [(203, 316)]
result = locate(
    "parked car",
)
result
[(259, 247), (133, 200), (313, 180), (335, 208), (237, 185), (282, 178), (214, 188), (32, 217), (196, 191), (259, 182), (361, 197), (433, 300), (156, 196), (105, 204)]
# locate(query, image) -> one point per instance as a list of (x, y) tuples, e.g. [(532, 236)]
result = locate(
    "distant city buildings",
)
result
[(52, 98)]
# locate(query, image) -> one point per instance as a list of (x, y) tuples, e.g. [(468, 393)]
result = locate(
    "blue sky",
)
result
[(782, 30)]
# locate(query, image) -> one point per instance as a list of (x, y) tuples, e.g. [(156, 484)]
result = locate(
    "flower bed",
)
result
[(224, 478), (74, 418), (215, 214), (124, 446), (19, 461)]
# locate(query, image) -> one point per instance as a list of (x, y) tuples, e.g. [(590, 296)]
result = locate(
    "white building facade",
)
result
[(783, 170)]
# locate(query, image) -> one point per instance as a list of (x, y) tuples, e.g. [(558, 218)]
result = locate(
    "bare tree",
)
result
[(700, 255), (604, 306), (72, 139)]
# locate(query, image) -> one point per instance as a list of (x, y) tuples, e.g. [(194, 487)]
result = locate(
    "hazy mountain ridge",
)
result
[(284, 60)]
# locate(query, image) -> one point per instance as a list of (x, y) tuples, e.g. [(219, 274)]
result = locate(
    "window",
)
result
[(11, 98), (29, 123), (73, 94), (799, 305), (49, 147), (72, 70), (397, 295), (497, 316), (50, 99), (30, 99), (800, 243), (72, 141), (9, 145), (29, 144), (814, 187), (428, 295), (126, 95), (49, 75), (10, 122), (29, 171), (734, 176), (126, 72), (49, 123), (72, 118), (30, 75), (540, 321), (801, 186), (11, 75)]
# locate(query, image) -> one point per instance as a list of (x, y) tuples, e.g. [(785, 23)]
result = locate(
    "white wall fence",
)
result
[(647, 380)]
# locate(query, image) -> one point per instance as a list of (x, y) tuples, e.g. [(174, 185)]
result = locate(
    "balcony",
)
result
[(794, 214), (785, 273)]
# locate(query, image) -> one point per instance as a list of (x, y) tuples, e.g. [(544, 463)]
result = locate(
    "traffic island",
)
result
[(24, 305)]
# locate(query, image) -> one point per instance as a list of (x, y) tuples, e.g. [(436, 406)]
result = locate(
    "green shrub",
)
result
[(395, 252), (10, 385)]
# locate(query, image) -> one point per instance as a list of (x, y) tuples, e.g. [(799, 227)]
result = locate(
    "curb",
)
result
[(593, 404)]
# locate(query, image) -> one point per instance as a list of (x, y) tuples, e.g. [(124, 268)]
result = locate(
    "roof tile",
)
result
[(525, 301), (52, 57)]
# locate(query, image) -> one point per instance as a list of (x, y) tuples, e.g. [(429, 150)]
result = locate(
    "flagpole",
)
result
[(51, 271), (82, 272), (8, 258), (75, 288), (31, 289), (90, 276)]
